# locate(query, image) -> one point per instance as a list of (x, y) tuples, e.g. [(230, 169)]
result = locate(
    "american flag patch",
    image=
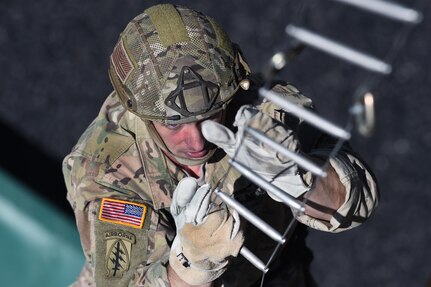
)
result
[(122, 212), (122, 64)]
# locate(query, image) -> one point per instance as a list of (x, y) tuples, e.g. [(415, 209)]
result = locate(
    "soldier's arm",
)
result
[(327, 196), (118, 251), (346, 197), (349, 194)]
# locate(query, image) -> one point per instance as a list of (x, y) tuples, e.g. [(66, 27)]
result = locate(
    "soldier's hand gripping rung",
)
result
[(387, 9), (250, 216), (297, 158), (338, 50), (260, 181), (305, 114)]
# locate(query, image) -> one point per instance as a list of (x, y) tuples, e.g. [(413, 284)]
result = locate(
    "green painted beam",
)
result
[(39, 246)]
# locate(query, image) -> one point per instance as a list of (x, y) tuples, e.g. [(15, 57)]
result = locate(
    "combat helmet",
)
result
[(175, 65)]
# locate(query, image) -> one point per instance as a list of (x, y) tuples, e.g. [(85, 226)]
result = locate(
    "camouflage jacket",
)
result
[(120, 186)]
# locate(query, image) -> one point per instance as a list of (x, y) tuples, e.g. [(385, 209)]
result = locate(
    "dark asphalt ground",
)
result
[(53, 59)]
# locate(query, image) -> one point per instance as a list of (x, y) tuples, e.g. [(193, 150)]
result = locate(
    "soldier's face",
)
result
[(185, 140)]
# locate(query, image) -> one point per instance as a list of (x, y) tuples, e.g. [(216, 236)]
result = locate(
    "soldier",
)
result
[(141, 177)]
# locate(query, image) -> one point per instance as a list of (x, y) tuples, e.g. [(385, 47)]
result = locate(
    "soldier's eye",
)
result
[(173, 126)]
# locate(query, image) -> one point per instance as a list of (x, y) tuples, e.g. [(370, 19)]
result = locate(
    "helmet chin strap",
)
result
[(181, 160)]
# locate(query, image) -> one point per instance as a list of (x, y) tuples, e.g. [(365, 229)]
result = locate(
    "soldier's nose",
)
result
[(195, 138)]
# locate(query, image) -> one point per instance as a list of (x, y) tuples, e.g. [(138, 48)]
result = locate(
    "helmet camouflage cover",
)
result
[(175, 65)]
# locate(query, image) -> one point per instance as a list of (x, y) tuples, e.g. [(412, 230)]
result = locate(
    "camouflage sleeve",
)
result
[(125, 241), (362, 194)]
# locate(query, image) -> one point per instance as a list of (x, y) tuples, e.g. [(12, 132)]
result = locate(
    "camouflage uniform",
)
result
[(120, 182), (115, 158)]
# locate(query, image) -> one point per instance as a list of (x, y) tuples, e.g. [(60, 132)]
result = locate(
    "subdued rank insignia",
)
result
[(118, 251)]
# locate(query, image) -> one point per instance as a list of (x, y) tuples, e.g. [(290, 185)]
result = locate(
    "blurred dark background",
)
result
[(54, 59)]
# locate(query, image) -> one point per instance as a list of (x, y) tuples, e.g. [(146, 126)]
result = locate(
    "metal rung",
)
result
[(388, 9), (253, 259), (305, 114), (297, 158), (338, 50), (250, 216), (260, 181)]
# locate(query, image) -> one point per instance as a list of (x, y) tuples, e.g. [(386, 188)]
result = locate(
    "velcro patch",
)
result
[(121, 61), (118, 252), (122, 212)]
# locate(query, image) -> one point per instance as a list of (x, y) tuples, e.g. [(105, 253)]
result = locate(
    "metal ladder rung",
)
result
[(305, 114), (253, 259), (250, 216), (260, 181), (338, 50), (387, 9)]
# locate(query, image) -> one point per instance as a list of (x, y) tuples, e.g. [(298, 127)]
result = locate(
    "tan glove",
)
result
[(274, 167), (207, 234)]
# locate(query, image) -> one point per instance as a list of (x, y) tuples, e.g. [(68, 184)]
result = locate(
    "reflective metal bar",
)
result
[(260, 181), (253, 259), (338, 50), (250, 216), (388, 9), (305, 114), (297, 158)]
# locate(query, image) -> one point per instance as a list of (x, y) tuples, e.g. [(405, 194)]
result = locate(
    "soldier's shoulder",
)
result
[(105, 139)]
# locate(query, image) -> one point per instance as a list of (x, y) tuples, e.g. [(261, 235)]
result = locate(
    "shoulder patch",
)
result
[(122, 212), (118, 252)]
